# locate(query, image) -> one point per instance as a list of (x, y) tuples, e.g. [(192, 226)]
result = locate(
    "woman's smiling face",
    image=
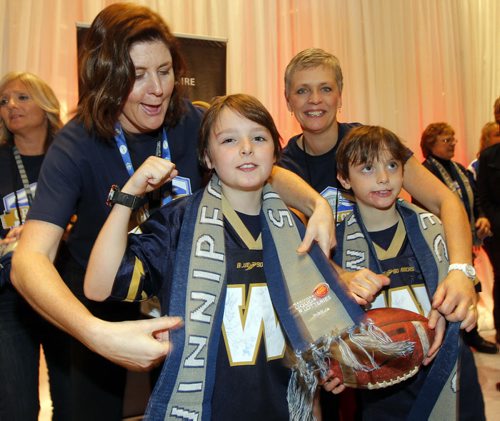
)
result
[(314, 98), (147, 103)]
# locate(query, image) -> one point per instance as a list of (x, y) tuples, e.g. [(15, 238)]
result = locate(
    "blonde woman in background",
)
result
[(29, 118)]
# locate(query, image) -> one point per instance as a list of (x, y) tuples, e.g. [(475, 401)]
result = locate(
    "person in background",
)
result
[(489, 195), (438, 147), (131, 107), (490, 134), (29, 119)]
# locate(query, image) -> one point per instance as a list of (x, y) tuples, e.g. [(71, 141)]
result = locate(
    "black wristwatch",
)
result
[(125, 199)]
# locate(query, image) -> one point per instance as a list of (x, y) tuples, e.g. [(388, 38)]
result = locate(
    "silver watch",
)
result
[(469, 270)]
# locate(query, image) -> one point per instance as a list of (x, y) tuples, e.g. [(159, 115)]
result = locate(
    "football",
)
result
[(373, 367)]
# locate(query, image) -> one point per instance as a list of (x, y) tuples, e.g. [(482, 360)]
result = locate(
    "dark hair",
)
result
[(365, 144), (430, 134), (43, 96), (496, 106), (107, 72), (245, 105)]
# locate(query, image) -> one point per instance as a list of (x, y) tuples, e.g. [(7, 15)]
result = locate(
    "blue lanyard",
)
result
[(121, 142)]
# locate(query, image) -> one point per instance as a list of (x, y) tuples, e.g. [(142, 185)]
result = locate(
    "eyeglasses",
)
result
[(449, 140)]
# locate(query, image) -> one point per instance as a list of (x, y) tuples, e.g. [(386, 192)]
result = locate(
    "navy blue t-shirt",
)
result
[(80, 168), (320, 171), (251, 377), (13, 209), (11, 185)]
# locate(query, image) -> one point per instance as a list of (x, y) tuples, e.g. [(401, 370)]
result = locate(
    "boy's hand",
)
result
[(364, 284), (437, 322), (153, 173), (332, 384), (456, 299)]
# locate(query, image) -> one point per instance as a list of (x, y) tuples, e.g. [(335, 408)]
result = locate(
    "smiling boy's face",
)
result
[(241, 151)]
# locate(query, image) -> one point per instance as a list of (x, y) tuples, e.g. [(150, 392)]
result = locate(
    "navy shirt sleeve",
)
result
[(147, 267)]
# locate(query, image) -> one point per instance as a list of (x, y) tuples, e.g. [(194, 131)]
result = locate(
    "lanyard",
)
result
[(23, 175), (162, 149), (24, 180)]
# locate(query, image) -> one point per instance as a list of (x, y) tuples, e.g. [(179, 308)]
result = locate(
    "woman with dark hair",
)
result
[(29, 119), (131, 107)]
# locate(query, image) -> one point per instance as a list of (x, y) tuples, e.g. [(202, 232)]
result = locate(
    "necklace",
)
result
[(306, 159), (309, 179)]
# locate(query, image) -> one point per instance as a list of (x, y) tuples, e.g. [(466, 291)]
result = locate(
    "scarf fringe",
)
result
[(314, 363)]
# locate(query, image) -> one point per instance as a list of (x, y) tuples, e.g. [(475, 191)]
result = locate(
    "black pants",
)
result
[(22, 332), (98, 385), (492, 248)]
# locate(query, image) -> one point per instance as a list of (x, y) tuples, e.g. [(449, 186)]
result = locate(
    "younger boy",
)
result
[(395, 238)]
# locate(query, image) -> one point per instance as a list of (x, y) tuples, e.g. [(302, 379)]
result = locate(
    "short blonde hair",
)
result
[(42, 95), (310, 59)]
